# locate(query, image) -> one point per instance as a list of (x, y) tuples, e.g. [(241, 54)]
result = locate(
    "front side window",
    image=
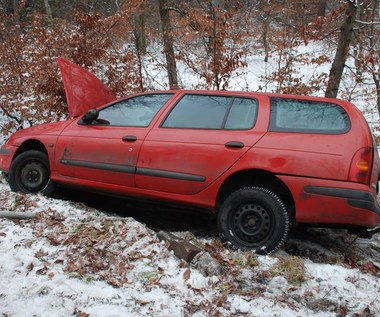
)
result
[(212, 112), (137, 111), (292, 115)]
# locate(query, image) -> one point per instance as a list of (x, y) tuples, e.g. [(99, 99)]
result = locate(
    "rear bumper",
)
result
[(333, 203), (355, 198)]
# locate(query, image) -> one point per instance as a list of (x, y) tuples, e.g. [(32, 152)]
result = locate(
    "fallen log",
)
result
[(182, 249), (17, 215)]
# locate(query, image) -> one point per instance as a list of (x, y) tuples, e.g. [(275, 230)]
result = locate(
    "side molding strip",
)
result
[(168, 174), (132, 170), (101, 166), (339, 192)]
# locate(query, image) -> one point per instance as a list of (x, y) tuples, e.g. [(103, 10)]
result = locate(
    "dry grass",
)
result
[(292, 268)]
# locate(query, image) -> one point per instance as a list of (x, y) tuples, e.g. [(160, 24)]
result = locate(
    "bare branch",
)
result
[(367, 23)]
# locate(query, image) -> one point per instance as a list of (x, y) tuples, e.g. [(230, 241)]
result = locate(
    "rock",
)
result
[(322, 304), (206, 264), (181, 248)]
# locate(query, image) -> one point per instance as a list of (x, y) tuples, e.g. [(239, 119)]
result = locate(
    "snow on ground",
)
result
[(72, 260)]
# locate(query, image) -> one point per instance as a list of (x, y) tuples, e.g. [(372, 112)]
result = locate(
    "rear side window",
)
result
[(292, 115), (212, 112)]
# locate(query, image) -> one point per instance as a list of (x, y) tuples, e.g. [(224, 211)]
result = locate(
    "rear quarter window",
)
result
[(293, 115)]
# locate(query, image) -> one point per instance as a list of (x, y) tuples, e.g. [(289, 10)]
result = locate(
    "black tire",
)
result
[(253, 218), (30, 173)]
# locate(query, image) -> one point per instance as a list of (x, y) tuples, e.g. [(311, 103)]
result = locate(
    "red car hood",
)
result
[(83, 89)]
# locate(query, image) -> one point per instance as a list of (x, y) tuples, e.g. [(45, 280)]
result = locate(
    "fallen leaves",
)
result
[(102, 247), (370, 267), (93, 247), (366, 267)]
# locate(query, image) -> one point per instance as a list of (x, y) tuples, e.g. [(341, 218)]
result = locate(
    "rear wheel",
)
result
[(30, 173), (254, 218)]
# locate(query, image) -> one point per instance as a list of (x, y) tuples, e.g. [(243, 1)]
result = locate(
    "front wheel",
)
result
[(30, 173), (254, 218)]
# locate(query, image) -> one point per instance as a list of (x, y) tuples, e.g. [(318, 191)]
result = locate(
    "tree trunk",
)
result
[(216, 39), (48, 12), (265, 39), (16, 12), (322, 4), (140, 73), (376, 80), (171, 64), (342, 50), (139, 29)]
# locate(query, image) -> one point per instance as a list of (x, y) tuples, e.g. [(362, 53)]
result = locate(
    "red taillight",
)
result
[(360, 170)]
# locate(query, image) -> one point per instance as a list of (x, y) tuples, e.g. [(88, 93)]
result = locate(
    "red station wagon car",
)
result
[(263, 162)]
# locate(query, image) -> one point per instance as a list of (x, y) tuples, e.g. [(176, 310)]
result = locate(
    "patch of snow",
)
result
[(39, 279)]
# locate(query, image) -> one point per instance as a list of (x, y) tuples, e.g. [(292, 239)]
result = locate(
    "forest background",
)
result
[(126, 43)]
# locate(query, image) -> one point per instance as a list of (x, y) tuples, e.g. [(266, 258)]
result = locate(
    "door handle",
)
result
[(129, 138), (235, 144)]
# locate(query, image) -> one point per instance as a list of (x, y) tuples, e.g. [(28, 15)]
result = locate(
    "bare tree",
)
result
[(48, 11), (369, 56), (322, 4), (171, 65), (337, 67), (139, 18)]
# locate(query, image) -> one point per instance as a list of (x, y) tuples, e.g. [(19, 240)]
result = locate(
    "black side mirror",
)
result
[(90, 116)]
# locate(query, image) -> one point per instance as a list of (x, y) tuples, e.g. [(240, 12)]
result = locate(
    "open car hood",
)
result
[(83, 89)]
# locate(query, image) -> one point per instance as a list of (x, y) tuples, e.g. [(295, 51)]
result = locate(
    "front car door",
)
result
[(202, 136), (107, 150)]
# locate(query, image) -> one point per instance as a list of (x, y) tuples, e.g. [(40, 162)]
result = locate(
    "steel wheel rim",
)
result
[(252, 224), (33, 176)]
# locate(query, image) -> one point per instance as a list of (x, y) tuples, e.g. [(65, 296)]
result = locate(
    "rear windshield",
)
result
[(293, 115)]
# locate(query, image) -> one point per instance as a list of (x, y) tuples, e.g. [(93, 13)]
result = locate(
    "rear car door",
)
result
[(201, 137), (107, 150)]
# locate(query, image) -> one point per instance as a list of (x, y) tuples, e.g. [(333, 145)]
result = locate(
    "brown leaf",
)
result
[(3, 234), (52, 239), (30, 267), (40, 253), (142, 302), (42, 271), (343, 311), (370, 268), (186, 274), (71, 267), (308, 294), (122, 268), (114, 282)]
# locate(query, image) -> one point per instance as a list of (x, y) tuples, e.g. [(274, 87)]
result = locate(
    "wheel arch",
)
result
[(259, 178), (31, 144), (30, 170)]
